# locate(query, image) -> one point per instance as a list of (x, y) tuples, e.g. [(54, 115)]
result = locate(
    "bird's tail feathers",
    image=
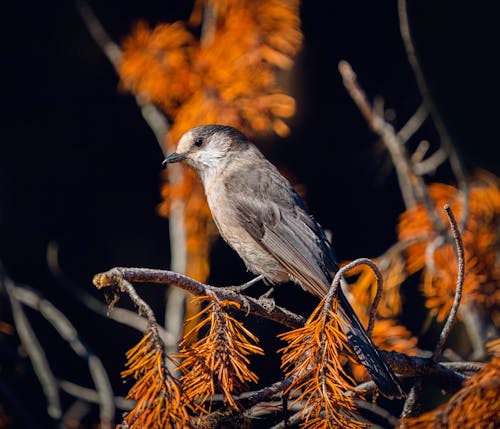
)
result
[(367, 353)]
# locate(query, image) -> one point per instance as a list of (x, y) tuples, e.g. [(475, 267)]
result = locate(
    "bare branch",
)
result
[(378, 411), (151, 114), (411, 405), (336, 282), (120, 315), (99, 34), (247, 303), (464, 366), (67, 331), (291, 421), (409, 366), (248, 401), (412, 186), (446, 142), (384, 130), (35, 352), (75, 413), (459, 246), (413, 124), (91, 396), (430, 164)]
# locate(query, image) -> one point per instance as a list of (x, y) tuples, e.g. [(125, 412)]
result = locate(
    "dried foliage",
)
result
[(480, 239), (217, 361), (228, 76), (314, 357), (161, 402), (476, 405)]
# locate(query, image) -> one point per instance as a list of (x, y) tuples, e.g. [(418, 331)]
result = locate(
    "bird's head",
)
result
[(207, 147)]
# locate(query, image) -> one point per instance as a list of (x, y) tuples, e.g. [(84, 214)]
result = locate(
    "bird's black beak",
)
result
[(174, 157)]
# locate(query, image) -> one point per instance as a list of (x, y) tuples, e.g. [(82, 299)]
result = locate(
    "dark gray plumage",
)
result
[(260, 215)]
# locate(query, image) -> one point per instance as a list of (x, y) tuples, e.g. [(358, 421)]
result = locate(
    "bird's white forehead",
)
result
[(185, 142)]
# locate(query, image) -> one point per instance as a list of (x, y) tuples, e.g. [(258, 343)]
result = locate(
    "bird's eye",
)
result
[(198, 142)]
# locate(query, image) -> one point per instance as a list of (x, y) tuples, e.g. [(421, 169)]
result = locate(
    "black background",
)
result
[(79, 166)]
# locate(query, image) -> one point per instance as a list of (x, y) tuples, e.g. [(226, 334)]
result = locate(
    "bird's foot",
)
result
[(267, 301), (244, 286)]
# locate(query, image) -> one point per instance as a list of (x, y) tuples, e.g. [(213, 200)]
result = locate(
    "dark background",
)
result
[(79, 166)]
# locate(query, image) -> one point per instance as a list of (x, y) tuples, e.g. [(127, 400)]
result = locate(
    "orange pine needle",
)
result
[(160, 400), (314, 357), (218, 361)]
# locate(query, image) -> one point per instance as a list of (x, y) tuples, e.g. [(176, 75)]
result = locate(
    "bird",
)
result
[(260, 215)]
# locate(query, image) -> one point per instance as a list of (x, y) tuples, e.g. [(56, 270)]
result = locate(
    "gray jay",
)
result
[(263, 219)]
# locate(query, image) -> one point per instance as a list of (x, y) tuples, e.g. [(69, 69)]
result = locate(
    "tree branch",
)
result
[(336, 282), (404, 365), (248, 304), (459, 248), (446, 143)]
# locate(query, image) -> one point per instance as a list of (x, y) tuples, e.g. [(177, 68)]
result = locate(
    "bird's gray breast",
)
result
[(237, 228)]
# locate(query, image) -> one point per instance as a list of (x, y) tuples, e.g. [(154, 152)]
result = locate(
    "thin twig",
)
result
[(378, 295), (68, 332), (409, 366), (120, 315), (384, 130), (477, 329), (430, 164), (459, 246), (91, 396), (378, 411), (291, 421), (413, 124), (35, 352), (247, 304), (446, 143), (420, 152), (464, 366), (75, 413), (412, 187), (151, 114), (412, 403)]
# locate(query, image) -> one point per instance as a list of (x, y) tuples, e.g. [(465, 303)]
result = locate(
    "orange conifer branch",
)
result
[(217, 361), (314, 359)]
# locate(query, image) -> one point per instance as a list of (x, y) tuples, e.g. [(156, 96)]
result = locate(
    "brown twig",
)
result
[(248, 401), (384, 130), (459, 246), (413, 124), (409, 366), (20, 296), (412, 186), (151, 114), (68, 333), (455, 163), (378, 295), (430, 164), (412, 404), (378, 411), (247, 303), (91, 396), (121, 315), (35, 352)]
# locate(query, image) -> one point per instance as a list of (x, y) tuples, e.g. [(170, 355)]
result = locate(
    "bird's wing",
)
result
[(275, 216)]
